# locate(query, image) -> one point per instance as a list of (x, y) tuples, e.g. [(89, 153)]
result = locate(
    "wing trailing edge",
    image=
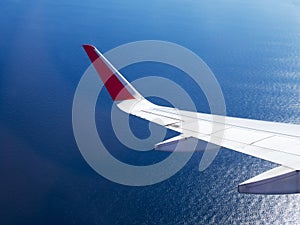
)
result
[(280, 180), (182, 143)]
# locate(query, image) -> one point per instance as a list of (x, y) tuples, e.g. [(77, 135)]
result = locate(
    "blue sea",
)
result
[(253, 49)]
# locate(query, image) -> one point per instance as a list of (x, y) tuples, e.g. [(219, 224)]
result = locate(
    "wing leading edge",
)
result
[(272, 141)]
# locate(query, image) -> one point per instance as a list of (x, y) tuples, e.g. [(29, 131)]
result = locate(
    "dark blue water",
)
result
[(252, 47)]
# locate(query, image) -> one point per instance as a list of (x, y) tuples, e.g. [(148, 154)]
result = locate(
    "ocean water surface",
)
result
[(253, 48)]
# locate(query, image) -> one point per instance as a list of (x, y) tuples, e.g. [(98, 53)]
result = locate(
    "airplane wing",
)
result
[(272, 141)]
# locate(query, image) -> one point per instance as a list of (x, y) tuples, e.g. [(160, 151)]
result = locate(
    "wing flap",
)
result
[(182, 143), (280, 180), (179, 143)]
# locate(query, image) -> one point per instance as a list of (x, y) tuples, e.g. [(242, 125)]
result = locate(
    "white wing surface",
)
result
[(272, 141)]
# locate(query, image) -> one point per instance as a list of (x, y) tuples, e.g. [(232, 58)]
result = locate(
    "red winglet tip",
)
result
[(88, 46), (90, 51), (115, 87)]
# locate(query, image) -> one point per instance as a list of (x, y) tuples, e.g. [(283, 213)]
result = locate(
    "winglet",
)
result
[(118, 87)]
